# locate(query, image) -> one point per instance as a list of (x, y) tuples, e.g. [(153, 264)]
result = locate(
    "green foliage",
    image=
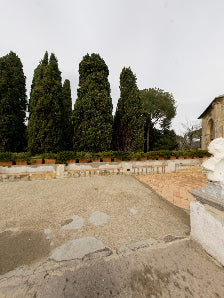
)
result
[(83, 155), (162, 139), (22, 156), (106, 154), (13, 104), (49, 155), (67, 116), (159, 109), (159, 106), (64, 156), (92, 114), (45, 127), (6, 156), (128, 128)]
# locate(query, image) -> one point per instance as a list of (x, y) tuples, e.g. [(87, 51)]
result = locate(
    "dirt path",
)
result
[(174, 187)]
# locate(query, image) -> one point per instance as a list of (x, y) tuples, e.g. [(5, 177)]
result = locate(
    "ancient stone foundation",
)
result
[(32, 172)]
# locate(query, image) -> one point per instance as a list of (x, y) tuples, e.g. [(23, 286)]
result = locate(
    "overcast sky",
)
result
[(175, 45)]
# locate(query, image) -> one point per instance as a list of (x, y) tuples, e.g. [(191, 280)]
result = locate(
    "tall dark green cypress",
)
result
[(67, 116), (128, 127), (45, 125), (13, 104), (93, 108)]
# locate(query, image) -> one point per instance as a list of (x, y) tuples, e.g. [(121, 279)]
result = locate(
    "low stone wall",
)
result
[(31, 172), (207, 228)]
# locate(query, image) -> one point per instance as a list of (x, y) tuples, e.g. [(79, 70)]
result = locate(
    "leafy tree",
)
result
[(67, 116), (162, 139), (13, 104), (45, 125), (128, 128), (93, 108), (159, 109)]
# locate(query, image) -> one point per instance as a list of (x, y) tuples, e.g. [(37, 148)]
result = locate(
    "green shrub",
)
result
[(64, 156), (49, 155), (6, 156), (106, 154), (82, 155), (22, 156)]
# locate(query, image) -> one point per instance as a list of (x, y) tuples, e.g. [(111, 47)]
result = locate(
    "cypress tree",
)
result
[(67, 116), (128, 127), (45, 125), (13, 104), (93, 108)]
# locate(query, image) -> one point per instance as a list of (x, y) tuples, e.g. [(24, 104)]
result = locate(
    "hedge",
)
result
[(64, 156)]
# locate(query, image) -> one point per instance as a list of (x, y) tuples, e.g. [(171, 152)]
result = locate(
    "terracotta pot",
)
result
[(188, 157), (160, 158), (180, 157), (83, 160), (172, 157), (5, 163), (142, 158), (96, 160), (195, 157), (21, 163), (38, 161), (49, 161), (133, 159), (117, 159), (107, 159), (205, 156), (71, 161)]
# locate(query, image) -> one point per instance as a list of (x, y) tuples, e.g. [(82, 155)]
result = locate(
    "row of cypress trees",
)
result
[(52, 125)]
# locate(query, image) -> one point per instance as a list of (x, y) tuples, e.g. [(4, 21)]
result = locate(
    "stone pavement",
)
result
[(175, 187), (179, 268)]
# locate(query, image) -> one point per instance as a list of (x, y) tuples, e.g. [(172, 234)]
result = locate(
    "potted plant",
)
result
[(36, 160), (66, 157), (50, 158), (106, 156), (173, 155), (22, 158), (95, 157), (83, 157), (6, 159), (142, 156), (117, 156)]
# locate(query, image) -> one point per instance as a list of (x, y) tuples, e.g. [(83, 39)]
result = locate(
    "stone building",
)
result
[(212, 121)]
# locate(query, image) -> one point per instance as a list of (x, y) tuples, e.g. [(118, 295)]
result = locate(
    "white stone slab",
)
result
[(207, 227), (77, 249), (98, 218)]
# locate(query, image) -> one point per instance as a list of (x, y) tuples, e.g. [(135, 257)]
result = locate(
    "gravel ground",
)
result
[(35, 206), (32, 217)]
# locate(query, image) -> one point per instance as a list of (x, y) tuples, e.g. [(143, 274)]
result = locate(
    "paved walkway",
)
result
[(175, 187)]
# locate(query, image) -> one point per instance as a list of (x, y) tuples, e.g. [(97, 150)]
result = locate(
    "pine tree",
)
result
[(128, 127), (45, 125), (67, 116), (13, 104), (93, 108)]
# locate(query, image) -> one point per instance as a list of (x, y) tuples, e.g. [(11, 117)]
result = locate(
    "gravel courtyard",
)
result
[(39, 217), (31, 209)]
